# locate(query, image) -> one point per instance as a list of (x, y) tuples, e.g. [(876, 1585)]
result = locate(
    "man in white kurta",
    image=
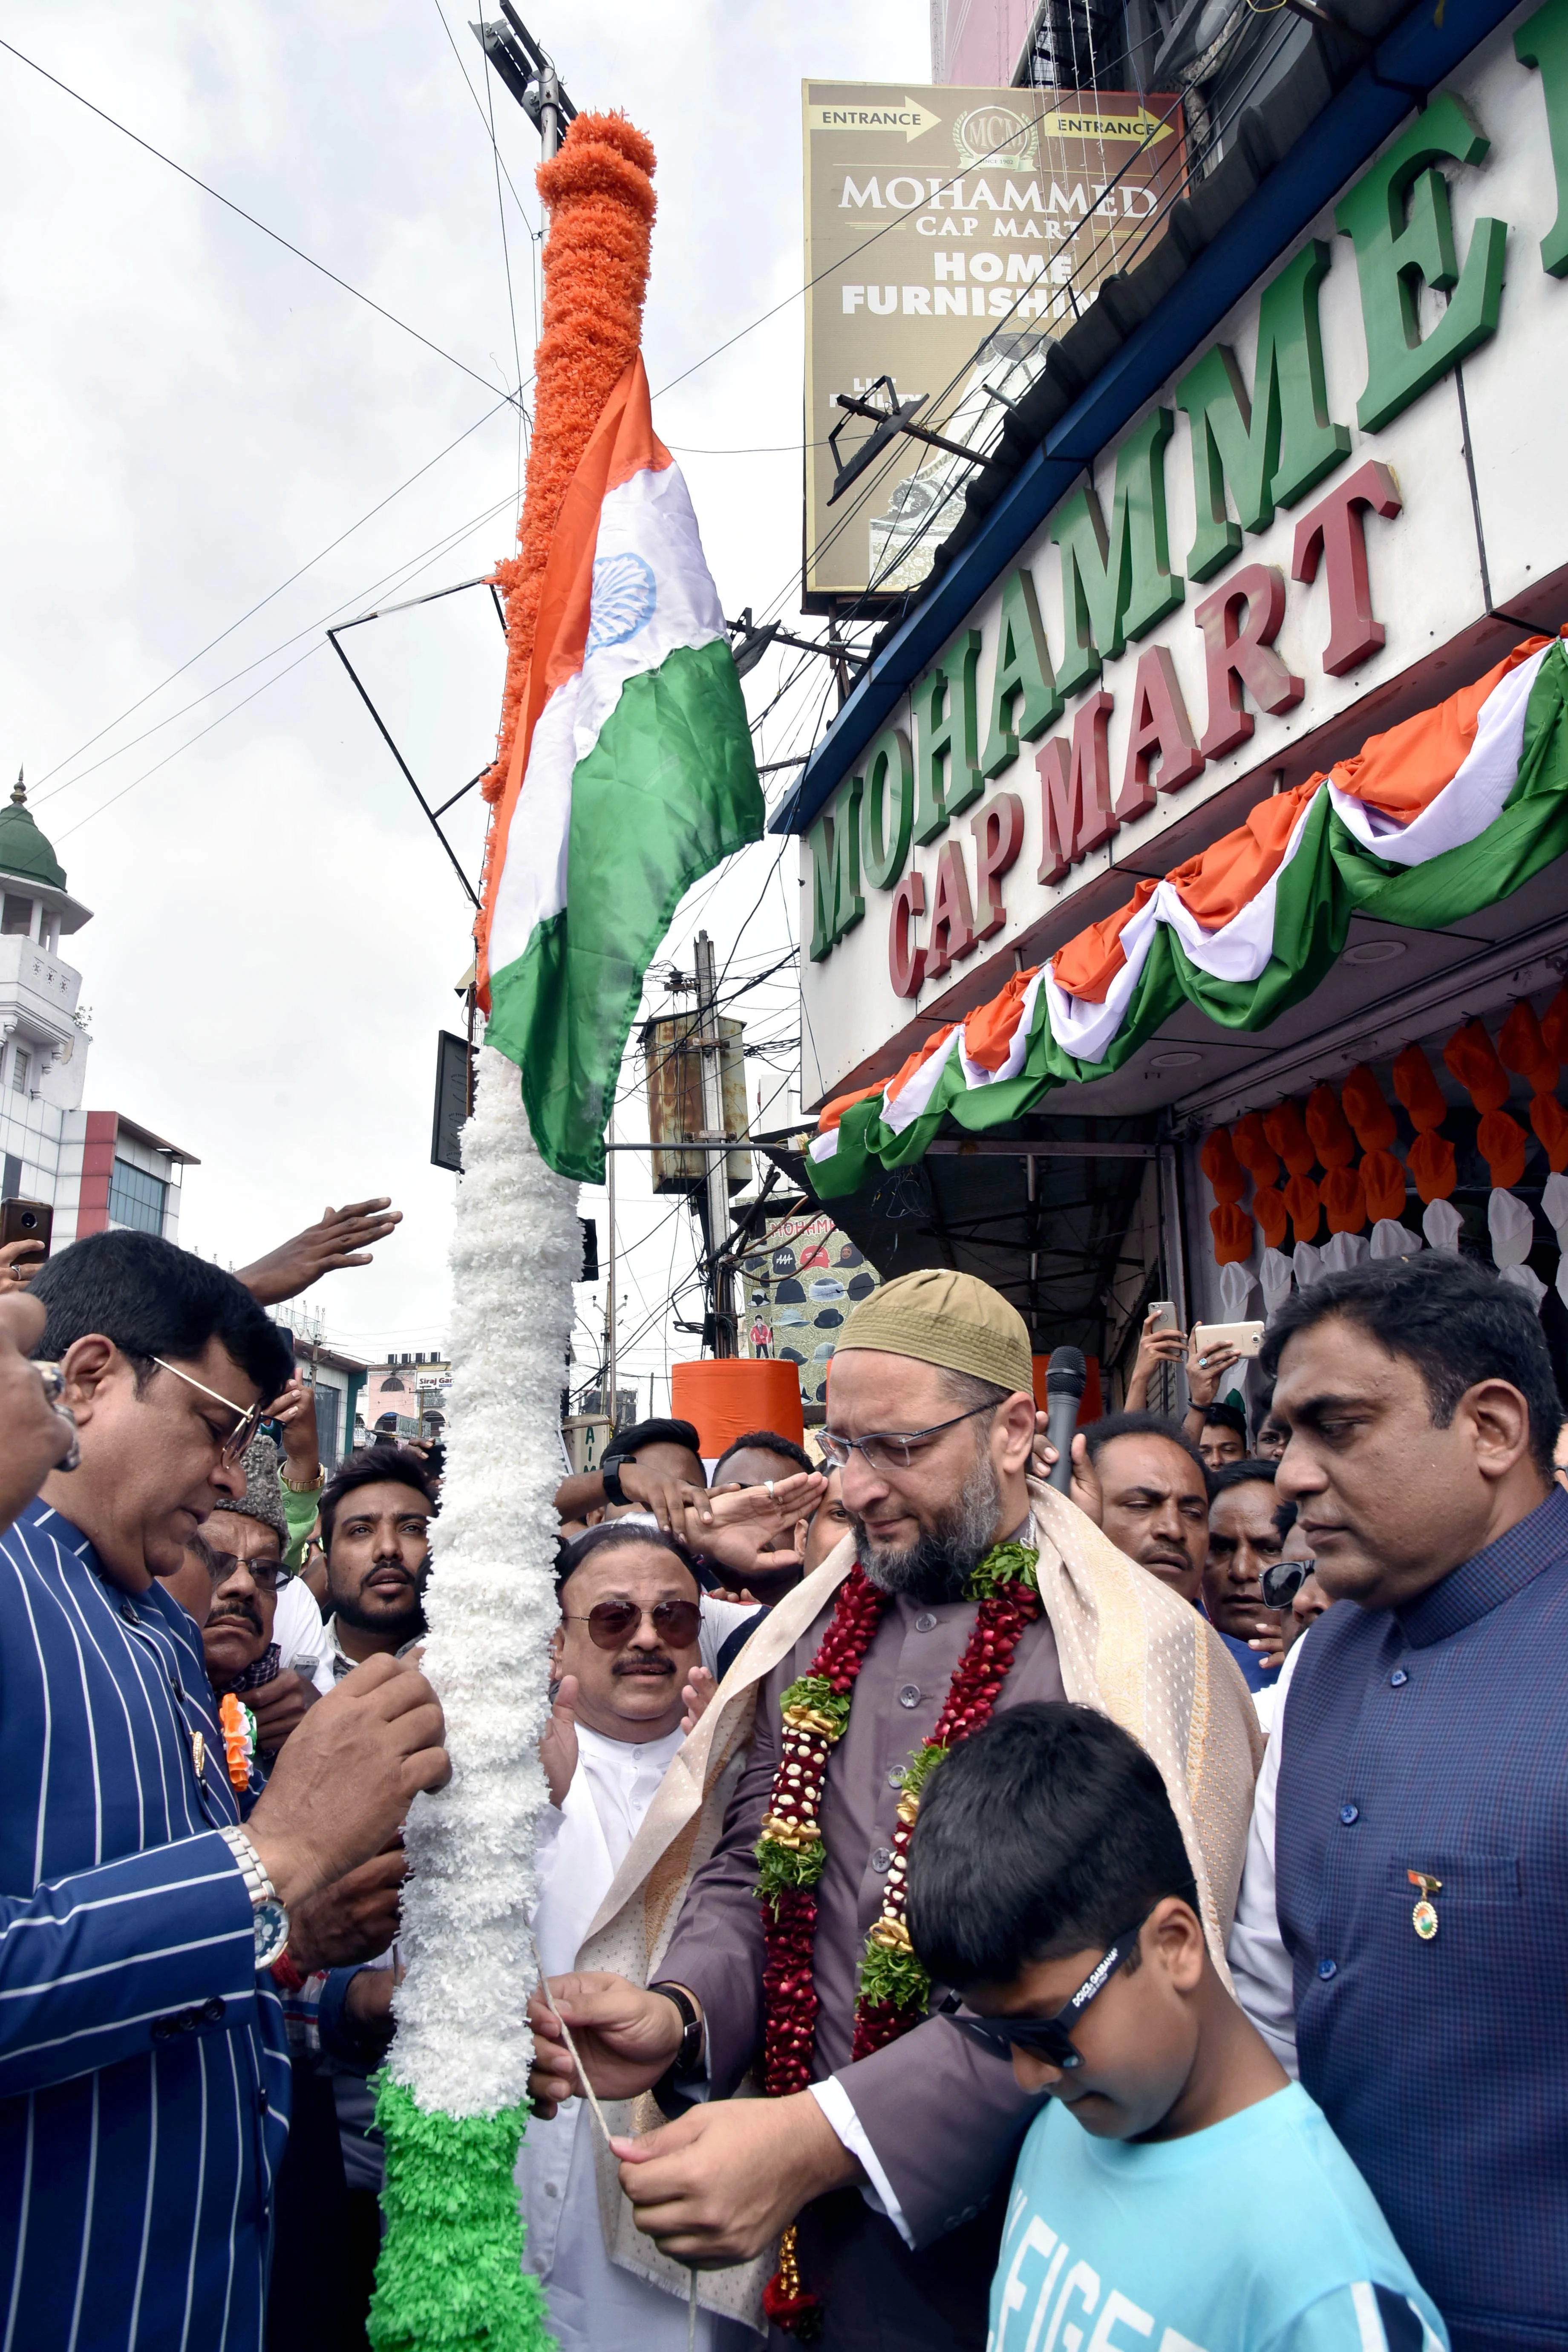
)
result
[(613, 1733)]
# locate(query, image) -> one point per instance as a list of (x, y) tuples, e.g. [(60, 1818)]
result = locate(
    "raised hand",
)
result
[(1085, 1488), (558, 1743), (695, 1693), (339, 1237)]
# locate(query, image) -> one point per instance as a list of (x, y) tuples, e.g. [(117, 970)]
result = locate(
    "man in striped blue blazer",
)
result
[(144, 2073)]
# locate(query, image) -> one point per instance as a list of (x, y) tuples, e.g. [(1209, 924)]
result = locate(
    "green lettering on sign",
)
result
[(1023, 697), (1269, 449), (947, 769), (1543, 41), (1117, 588), (886, 809), (837, 905), (1397, 218)]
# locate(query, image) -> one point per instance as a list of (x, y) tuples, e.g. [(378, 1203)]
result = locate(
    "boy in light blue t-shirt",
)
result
[(1177, 2193)]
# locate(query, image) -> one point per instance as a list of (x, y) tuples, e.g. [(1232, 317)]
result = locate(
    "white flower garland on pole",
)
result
[(452, 2110)]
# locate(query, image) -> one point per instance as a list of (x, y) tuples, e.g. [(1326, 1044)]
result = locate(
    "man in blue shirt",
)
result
[(143, 2065), (1418, 1787)]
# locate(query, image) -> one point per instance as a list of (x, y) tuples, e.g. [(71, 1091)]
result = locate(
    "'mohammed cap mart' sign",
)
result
[(938, 222), (1311, 529)]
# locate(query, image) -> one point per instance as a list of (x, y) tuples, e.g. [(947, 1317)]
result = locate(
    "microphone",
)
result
[(1067, 1376)]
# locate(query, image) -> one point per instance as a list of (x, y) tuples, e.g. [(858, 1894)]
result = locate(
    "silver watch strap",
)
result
[(258, 1884)]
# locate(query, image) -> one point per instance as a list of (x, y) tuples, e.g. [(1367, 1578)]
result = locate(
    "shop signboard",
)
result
[(950, 234), (800, 1288), (1310, 531)]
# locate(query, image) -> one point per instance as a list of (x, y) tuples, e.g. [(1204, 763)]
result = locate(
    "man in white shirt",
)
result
[(628, 1643)]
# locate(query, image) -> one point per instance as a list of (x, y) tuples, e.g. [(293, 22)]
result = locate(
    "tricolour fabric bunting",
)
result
[(1449, 812)]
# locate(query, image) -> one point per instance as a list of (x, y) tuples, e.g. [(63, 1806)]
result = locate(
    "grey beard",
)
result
[(939, 1565)]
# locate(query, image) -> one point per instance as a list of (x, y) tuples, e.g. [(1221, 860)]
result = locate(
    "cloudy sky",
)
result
[(210, 451)]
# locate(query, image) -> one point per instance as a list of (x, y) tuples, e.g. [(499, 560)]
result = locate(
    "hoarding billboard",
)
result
[(800, 1287), (950, 234)]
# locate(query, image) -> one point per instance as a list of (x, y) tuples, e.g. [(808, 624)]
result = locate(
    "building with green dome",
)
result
[(94, 1167)]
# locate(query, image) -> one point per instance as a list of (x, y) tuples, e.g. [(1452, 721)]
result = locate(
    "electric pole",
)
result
[(716, 1143)]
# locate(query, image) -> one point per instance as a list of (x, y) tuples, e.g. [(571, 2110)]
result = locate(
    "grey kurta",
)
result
[(943, 2116)]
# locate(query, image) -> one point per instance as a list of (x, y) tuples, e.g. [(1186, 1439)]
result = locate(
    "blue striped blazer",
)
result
[(143, 2065)]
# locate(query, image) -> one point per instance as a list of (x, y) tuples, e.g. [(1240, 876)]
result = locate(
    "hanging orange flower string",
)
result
[(1523, 1047), (1252, 1148), (1473, 1058), (1228, 1221), (1342, 1198), (1289, 1139), (1431, 1157), (1382, 1175)]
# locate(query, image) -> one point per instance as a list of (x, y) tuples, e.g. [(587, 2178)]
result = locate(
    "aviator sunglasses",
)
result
[(1050, 2038), (611, 1623)]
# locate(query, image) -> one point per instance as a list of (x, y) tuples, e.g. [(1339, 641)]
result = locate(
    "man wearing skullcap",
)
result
[(888, 2136)]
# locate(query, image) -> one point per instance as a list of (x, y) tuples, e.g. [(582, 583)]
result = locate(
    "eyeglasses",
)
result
[(887, 1449), (1050, 2038), (611, 1622), (1283, 1578), (267, 1575), (234, 1445)]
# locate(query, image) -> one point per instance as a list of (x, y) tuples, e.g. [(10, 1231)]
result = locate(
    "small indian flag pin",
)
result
[(1424, 1918)]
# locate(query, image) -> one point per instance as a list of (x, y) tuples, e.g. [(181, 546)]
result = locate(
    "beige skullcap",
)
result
[(951, 1319)]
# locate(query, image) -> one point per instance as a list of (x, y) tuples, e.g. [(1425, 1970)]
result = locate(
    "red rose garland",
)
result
[(791, 1854)]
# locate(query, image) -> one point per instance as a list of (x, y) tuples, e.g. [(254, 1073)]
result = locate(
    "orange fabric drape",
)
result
[(1092, 958), (988, 1031)]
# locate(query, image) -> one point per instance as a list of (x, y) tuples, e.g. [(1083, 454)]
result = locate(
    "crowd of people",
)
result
[(990, 1911)]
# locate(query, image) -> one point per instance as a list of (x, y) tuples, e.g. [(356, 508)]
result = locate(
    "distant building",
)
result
[(414, 1388), (97, 1169)]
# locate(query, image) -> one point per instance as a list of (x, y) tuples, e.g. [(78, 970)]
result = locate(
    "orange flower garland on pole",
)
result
[(602, 204)]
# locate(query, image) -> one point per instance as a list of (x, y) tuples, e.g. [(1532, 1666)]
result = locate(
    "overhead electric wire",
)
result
[(271, 595), (410, 566), (228, 202), (442, 548)]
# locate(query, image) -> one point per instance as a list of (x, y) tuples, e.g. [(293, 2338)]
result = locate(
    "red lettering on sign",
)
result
[(1238, 657), (951, 913), (1075, 790), (1336, 530), (998, 833), (1161, 730), (906, 962)]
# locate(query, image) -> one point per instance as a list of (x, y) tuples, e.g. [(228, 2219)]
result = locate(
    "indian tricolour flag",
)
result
[(631, 775)]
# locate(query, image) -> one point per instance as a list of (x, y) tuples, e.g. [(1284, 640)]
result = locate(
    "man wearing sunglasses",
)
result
[(145, 2075), (629, 1637), (891, 2161)]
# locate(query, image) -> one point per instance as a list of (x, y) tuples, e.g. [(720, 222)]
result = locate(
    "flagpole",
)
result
[(611, 1391)]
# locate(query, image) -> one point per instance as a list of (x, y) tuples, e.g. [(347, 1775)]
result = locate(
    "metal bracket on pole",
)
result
[(434, 814), (899, 418)]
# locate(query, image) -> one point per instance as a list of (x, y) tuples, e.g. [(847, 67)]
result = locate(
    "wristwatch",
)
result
[(610, 1472), (315, 1487), (670, 2101), (268, 1916)]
